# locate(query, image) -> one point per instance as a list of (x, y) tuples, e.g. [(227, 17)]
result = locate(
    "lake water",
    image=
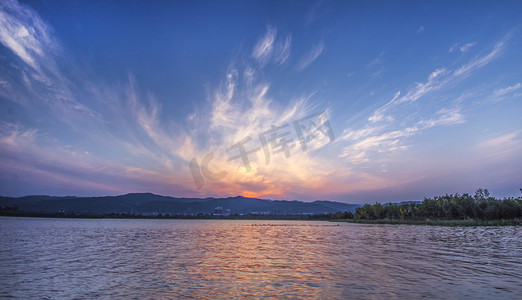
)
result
[(152, 259)]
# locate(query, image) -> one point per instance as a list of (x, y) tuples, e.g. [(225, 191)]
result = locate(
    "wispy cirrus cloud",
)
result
[(501, 148), (148, 144), (364, 147), (22, 31), (36, 82), (268, 48), (15, 137), (31, 155), (433, 83), (436, 80), (377, 137), (240, 108), (283, 51), (502, 93), (507, 90), (375, 142), (263, 49), (318, 10), (481, 61), (98, 134), (444, 117), (308, 58), (421, 89), (377, 61), (28, 37), (461, 47), (379, 114), (376, 66)]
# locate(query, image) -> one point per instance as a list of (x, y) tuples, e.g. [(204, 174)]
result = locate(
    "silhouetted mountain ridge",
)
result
[(146, 203)]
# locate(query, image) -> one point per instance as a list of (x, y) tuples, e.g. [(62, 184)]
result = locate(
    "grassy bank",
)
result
[(438, 222)]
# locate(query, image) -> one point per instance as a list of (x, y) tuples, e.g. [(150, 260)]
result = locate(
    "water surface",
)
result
[(151, 259)]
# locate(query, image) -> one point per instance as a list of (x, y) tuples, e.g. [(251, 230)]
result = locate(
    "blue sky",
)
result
[(399, 100)]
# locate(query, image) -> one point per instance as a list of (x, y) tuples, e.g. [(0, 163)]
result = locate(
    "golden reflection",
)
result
[(264, 259)]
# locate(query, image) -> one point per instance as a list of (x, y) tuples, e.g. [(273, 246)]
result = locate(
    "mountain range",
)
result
[(148, 203)]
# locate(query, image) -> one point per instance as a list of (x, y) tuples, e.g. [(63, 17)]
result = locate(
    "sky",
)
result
[(352, 101)]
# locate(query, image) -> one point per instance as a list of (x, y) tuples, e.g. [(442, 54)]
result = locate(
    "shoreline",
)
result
[(115, 217), (437, 222), (425, 222)]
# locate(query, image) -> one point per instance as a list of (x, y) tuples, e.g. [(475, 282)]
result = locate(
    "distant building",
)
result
[(219, 211), (262, 213)]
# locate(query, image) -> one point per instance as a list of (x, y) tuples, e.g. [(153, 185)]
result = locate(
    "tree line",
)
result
[(481, 206)]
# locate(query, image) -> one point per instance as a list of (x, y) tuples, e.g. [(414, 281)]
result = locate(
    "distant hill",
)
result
[(147, 203)]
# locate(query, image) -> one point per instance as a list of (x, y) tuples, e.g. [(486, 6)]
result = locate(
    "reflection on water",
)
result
[(73, 258)]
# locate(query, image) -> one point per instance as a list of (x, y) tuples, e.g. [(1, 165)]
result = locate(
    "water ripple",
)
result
[(211, 259)]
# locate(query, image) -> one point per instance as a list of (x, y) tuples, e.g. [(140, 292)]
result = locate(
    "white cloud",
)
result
[(444, 117), (351, 134), (480, 61), (466, 47), (307, 59), (284, 51), (22, 31), (377, 73), (31, 40), (379, 113), (265, 45), (421, 89), (434, 82), (240, 106), (376, 65), (461, 47), (363, 148), (269, 49), (507, 90), (375, 137), (421, 29), (148, 119), (377, 61)]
